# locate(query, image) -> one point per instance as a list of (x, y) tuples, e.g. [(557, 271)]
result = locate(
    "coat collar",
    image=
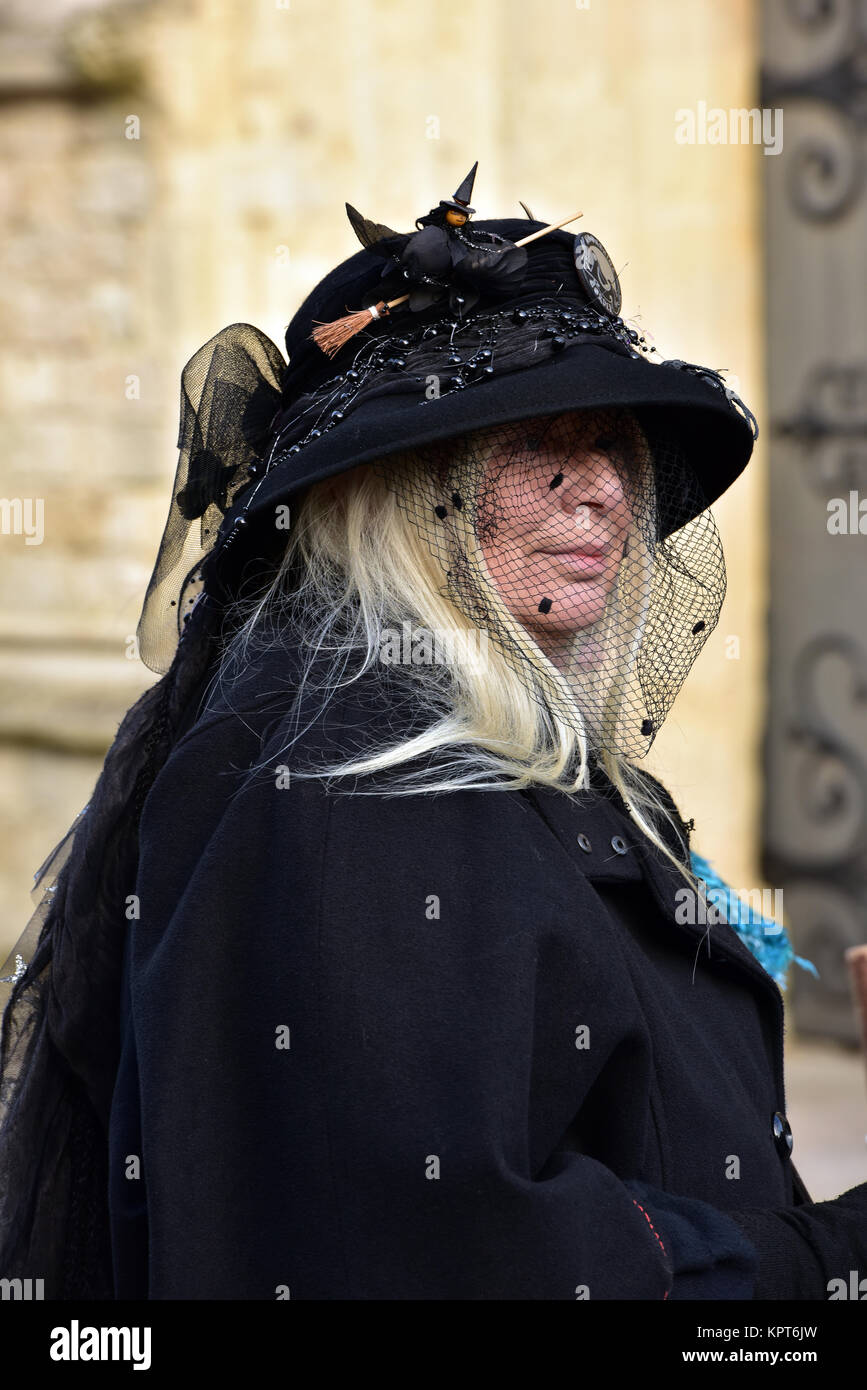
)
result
[(564, 814)]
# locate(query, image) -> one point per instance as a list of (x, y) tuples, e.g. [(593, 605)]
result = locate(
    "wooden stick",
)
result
[(552, 227), (856, 959)]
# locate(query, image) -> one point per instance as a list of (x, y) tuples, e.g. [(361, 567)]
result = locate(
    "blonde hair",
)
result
[(356, 565)]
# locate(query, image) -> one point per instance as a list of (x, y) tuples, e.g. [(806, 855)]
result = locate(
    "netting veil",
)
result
[(549, 533)]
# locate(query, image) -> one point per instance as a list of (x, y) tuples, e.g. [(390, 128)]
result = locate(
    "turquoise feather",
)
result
[(766, 938)]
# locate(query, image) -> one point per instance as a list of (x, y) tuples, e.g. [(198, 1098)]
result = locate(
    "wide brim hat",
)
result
[(256, 431)]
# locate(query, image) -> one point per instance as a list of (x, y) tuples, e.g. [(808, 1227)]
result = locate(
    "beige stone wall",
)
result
[(120, 256)]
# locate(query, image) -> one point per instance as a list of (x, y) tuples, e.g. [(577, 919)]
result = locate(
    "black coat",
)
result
[(429, 1047)]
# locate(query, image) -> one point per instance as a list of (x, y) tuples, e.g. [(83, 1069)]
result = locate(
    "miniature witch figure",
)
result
[(445, 262)]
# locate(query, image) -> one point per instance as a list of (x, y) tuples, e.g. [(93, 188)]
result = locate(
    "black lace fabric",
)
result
[(230, 391)]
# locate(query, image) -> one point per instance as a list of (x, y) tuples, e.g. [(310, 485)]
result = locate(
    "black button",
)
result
[(584, 843), (619, 845), (782, 1134)]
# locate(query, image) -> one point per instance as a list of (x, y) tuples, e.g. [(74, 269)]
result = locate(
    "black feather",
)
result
[(375, 236)]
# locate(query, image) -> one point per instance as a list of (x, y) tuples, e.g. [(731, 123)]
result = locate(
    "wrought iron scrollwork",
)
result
[(826, 167), (831, 427)]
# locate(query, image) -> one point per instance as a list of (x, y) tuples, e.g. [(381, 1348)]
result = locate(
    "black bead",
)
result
[(352, 374), (519, 316), (647, 727), (457, 500), (441, 511), (556, 480), (337, 415), (487, 371), (455, 382), (545, 606), (699, 627), (314, 434), (558, 342), (455, 359), (484, 355)]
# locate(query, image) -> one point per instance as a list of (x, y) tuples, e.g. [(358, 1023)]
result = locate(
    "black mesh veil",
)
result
[(550, 535), (230, 391)]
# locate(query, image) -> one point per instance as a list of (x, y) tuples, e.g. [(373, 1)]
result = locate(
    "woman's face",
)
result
[(561, 517)]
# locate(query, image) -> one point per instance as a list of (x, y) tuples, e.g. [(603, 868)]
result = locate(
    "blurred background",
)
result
[(168, 167)]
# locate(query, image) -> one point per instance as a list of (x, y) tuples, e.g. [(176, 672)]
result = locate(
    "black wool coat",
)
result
[(449, 1046)]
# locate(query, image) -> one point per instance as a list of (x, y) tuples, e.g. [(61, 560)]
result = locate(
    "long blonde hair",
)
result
[(355, 566)]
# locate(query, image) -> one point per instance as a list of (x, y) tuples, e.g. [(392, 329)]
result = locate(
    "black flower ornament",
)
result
[(208, 482)]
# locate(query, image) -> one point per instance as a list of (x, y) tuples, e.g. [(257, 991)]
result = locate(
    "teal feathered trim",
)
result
[(766, 938)]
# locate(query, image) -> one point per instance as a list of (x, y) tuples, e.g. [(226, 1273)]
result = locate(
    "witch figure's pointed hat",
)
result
[(461, 201)]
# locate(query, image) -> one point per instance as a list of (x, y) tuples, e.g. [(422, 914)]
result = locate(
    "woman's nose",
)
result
[(591, 482)]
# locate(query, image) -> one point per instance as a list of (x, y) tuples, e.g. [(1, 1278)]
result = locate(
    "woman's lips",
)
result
[(582, 562)]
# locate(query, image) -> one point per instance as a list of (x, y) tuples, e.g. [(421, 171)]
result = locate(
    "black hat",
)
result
[(499, 332), (583, 358)]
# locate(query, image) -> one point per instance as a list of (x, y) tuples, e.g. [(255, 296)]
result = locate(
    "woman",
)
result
[(315, 1012)]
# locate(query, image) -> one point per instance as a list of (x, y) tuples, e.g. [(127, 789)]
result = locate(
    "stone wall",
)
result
[(171, 167)]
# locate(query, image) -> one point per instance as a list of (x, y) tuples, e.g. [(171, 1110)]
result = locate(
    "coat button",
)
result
[(619, 845), (584, 843), (782, 1134)]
